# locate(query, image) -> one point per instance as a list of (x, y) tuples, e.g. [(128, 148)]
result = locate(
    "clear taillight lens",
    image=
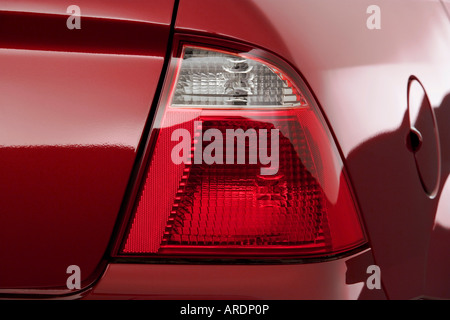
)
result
[(214, 79), (242, 165)]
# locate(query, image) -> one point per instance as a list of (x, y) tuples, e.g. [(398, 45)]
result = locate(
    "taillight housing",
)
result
[(240, 164)]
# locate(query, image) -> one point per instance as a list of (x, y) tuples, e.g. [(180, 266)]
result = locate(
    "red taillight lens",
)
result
[(242, 165)]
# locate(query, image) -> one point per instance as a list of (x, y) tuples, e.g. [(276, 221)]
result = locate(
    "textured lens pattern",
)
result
[(215, 79), (226, 204), (204, 209)]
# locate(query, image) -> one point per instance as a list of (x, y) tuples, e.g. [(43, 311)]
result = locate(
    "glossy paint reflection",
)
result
[(55, 98), (73, 106), (57, 209), (359, 78), (438, 277), (150, 11)]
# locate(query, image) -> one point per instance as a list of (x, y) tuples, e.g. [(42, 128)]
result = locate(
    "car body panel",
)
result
[(446, 4), (147, 11), (359, 77), (72, 113), (338, 279)]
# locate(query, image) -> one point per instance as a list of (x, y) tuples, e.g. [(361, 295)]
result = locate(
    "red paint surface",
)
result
[(339, 279), (360, 79), (73, 105), (78, 117)]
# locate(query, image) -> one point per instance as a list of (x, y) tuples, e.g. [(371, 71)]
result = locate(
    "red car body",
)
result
[(76, 109)]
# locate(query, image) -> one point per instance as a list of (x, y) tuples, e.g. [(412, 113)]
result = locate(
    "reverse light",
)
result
[(256, 173), (215, 79)]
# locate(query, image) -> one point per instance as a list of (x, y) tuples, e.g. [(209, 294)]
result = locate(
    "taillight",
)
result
[(242, 165)]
